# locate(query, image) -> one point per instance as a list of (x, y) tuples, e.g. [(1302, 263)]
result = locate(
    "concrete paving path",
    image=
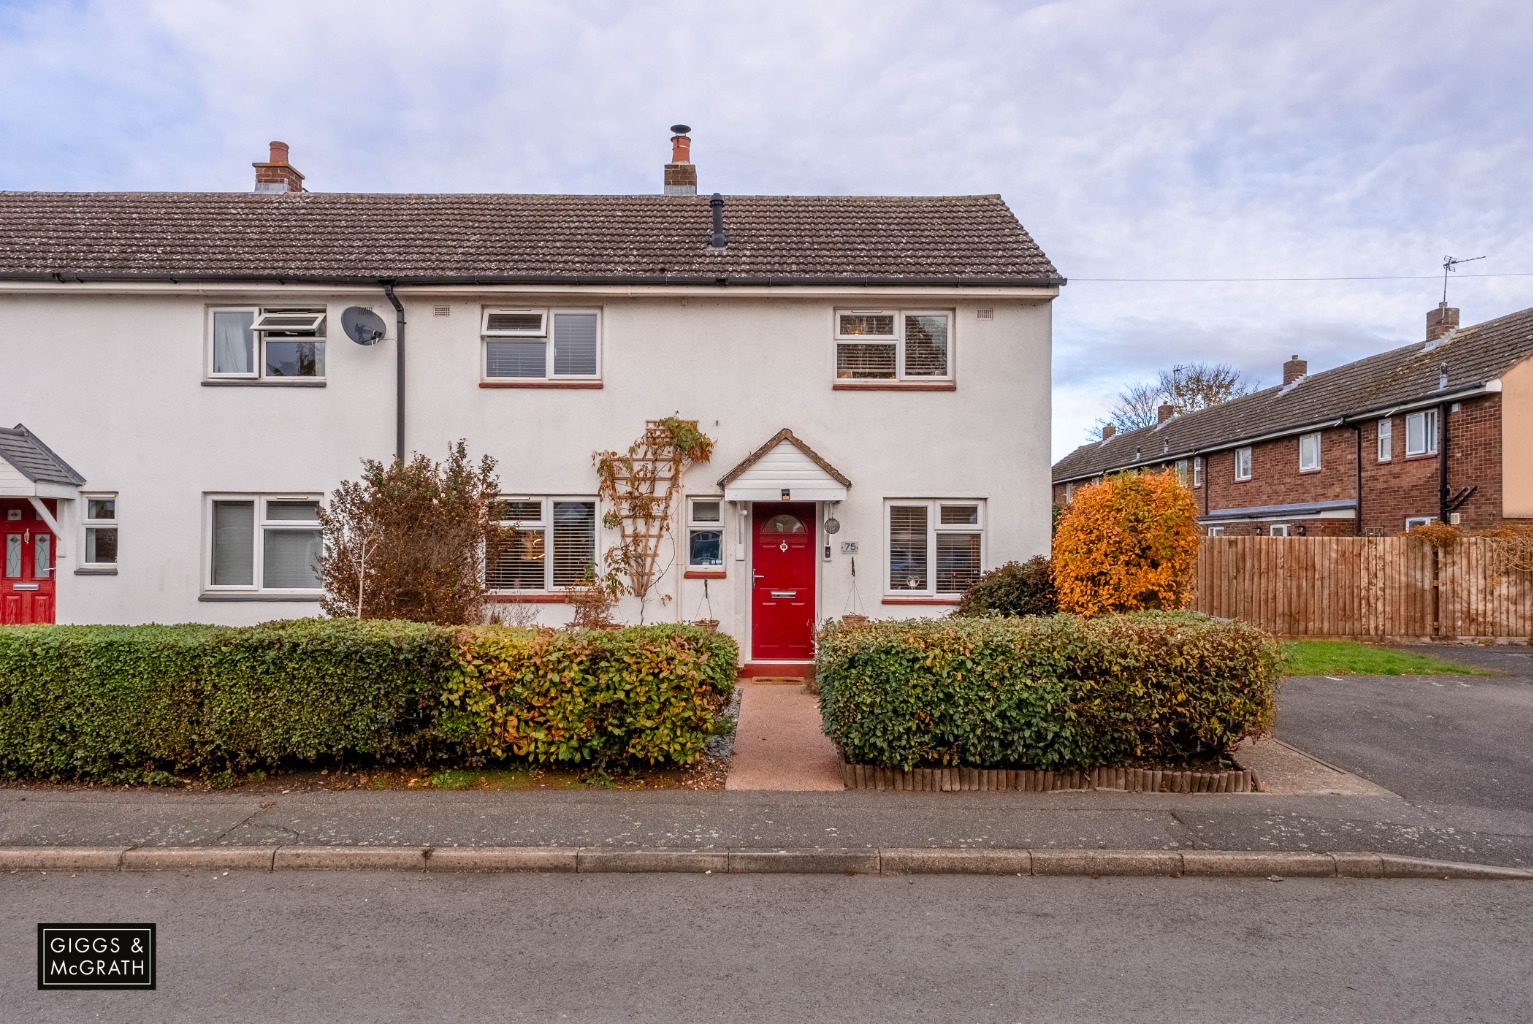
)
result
[(779, 744)]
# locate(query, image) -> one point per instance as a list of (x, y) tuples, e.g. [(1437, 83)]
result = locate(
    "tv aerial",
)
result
[(362, 325), (1449, 263)]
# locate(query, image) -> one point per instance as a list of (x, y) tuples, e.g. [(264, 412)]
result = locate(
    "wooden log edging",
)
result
[(1022, 780)]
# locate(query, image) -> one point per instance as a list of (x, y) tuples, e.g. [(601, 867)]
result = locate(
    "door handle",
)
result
[(756, 576)]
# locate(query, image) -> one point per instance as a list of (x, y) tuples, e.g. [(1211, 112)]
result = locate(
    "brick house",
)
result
[(1436, 430)]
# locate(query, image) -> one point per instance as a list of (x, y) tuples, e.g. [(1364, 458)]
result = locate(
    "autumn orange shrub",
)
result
[(1126, 544)]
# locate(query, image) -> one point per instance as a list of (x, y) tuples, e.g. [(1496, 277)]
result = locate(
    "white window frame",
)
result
[(320, 319), (897, 339), (934, 526), (1428, 420), (1216, 531), (544, 524), (1279, 530), (258, 542), (1314, 436), (546, 333), (1384, 446), (88, 524), (1197, 471), (1411, 522), (1184, 472), (1248, 460), (713, 526)]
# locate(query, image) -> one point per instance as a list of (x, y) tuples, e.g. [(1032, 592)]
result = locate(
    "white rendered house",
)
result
[(874, 371)]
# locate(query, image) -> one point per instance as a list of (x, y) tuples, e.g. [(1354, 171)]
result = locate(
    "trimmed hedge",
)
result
[(647, 693), (1053, 693), (1016, 588), (125, 702)]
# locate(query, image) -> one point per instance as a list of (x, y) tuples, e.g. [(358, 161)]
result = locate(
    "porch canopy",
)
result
[(784, 469), (30, 469)]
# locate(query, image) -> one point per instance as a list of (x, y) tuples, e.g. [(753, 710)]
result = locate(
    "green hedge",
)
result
[(123, 702), (1056, 693)]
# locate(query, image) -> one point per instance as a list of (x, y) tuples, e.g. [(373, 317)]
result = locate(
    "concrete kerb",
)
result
[(607, 860)]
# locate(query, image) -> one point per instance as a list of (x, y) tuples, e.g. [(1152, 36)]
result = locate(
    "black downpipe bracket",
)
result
[(399, 371)]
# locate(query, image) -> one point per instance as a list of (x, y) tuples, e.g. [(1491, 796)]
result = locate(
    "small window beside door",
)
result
[(100, 531), (705, 533)]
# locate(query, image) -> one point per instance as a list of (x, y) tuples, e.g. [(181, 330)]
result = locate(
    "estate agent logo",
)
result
[(95, 956)]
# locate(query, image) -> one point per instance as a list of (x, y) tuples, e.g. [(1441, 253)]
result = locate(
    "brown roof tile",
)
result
[(352, 236)]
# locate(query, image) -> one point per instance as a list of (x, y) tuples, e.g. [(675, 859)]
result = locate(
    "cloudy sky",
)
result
[(1136, 139)]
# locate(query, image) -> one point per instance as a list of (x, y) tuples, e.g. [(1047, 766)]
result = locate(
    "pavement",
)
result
[(385, 947), (780, 743)]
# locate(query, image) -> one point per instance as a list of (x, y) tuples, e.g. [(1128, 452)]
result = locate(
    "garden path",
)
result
[(779, 744)]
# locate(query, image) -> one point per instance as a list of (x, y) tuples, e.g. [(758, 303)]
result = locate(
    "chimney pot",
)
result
[(680, 174), (1294, 369), (1165, 412), (1441, 321), (1108, 431), (277, 175)]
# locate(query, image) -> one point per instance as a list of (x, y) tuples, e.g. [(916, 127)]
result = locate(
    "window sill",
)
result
[(259, 597), (1243, 479), (528, 599), (923, 599), (269, 383), (894, 385), (1309, 472), (1419, 455), (703, 574), (96, 570), (558, 385)]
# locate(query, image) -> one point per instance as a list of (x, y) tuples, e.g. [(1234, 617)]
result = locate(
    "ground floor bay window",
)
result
[(553, 545), (263, 544), (934, 547)]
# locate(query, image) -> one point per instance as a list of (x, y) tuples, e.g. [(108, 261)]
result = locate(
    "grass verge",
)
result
[(1350, 658)]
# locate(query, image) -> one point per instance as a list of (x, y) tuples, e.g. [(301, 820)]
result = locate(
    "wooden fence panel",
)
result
[(1370, 587)]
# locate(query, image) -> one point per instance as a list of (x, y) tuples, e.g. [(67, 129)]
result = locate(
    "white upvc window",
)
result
[(1243, 463), (705, 533), (1421, 432), (1182, 469), (266, 343), (1069, 491), (553, 546), (1411, 522), (1278, 530), (898, 345), (1197, 471), (933, 546), (100, 550), (263, 543), (1309, 452), (1386, 439), (1216, 531), (541, 344)]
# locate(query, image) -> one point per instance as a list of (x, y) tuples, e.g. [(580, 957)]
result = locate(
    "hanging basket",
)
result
[(711, 625)]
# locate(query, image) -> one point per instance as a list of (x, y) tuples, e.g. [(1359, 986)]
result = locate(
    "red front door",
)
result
[(782, 593), (27, 552)]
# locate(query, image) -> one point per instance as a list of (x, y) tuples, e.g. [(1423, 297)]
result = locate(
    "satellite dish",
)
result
[(362, 325)]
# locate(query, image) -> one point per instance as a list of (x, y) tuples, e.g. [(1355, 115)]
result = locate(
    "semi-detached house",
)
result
[(1437, 430), (875, 371)]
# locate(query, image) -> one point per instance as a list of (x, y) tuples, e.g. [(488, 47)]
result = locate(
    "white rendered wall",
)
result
[(114, 385)]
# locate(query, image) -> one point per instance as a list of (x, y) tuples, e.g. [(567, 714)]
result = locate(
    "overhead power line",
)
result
[(1223, 280)]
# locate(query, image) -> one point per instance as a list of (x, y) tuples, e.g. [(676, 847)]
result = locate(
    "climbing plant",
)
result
[(638, 488)]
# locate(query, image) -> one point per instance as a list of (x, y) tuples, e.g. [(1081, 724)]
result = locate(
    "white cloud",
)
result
[(1182, 138)]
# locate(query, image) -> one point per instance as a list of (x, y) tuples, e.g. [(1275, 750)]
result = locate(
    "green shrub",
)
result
[(121, 701), (649, 693), (126, 703), (1056, 693), (1016, 588)]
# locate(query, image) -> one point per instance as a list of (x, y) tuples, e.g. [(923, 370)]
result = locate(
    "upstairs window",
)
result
[(893, 345), (267, 343), (1386, 440), (934, 547), (1309, 452), (1197, 471), (1421, 432), (1243, 463), (541, 344), (554, 545), (1181, 472)]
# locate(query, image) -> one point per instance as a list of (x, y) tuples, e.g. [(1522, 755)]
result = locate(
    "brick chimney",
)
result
[(1441, 320), (680, 174), (1164, 412), (1108, 431), (1294, 369), (277, 175)]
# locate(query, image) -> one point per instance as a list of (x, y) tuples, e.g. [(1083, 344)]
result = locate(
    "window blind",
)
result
[(574, 541), (233, 543), (957, 562), (515, 359), (575, 344), (907, 547), (525, 322), (290, 559), (862, 361)]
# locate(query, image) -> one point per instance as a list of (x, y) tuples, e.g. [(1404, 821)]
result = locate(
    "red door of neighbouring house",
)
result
[(27, 551), (782, 591)]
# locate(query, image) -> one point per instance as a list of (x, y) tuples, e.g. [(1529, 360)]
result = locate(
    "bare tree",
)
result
[(411, 540), (1187, 388)]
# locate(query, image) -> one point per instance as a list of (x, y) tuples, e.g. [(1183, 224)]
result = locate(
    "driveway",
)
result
[(1458, 745)]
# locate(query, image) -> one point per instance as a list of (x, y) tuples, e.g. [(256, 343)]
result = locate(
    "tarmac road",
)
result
[(349, 946)]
